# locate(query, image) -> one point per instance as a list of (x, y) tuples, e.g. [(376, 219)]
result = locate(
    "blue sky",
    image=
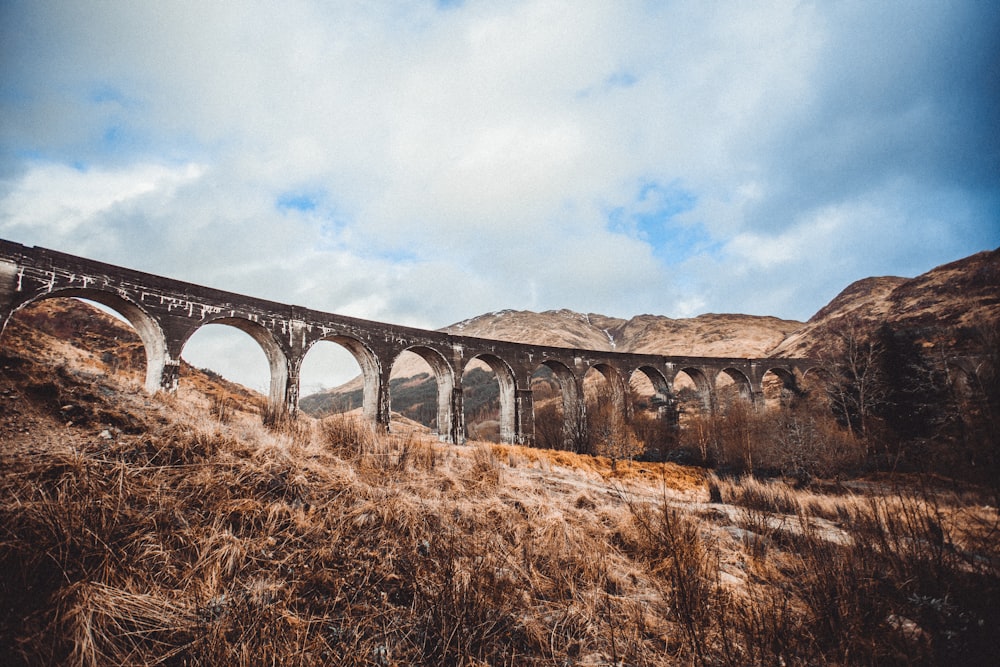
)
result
[(423, 162)]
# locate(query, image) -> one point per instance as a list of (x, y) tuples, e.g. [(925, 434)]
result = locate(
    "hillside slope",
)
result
[(721, 335), (934, 308), (144, 530)]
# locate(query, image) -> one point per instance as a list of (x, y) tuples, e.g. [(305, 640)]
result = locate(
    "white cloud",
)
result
[(56, 199), (484, 146)]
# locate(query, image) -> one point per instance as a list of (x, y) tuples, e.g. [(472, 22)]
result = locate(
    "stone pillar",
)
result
[(709, 401), (666, 409), (575, 420), (8, 288), (170, 377), (457, 432), (175, 331), (295, 354), (524, 417), (383, 400), (292, 389)]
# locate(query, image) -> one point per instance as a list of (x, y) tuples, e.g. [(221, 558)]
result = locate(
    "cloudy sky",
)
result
[(423, 162)]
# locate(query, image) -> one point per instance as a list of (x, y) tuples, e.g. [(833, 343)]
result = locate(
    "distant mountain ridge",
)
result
[(721, 335)]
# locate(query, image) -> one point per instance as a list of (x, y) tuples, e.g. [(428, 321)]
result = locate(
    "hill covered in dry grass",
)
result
[(178, 530), (719, 335), (937, 308)]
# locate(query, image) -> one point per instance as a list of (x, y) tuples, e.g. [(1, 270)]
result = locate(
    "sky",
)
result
[(423, 162)]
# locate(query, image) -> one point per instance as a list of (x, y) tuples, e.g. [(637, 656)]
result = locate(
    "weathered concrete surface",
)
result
[(166, 313)]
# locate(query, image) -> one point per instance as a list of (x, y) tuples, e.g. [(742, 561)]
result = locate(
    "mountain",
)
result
[(725, 335), (939, 308)]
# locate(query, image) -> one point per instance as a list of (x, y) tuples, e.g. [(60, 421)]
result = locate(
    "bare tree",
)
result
[(549, 426), (608, 430), (973, 395), (854, 370)]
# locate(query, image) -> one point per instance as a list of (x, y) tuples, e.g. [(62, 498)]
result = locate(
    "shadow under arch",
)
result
[(505, 378), (150, 333), (277, 360), (445, 378), (370, 370)]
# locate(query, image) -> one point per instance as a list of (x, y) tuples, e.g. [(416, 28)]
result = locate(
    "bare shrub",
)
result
[(895, 591), (801, 441), (222, 407), (747, 491), (657, 435), (609, 432), (466, 604), (672, 545), (807, 442), (487, 470), (549, 432), (415, 454)]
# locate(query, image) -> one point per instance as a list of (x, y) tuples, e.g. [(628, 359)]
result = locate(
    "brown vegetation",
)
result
[(180, 530)]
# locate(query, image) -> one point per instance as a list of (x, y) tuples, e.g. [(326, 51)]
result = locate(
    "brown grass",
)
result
[(192, 534)]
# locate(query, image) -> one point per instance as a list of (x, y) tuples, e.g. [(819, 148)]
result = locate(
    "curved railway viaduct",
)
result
[(166, 312)]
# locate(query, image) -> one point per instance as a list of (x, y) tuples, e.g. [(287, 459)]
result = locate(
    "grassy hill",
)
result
[(178, 530)]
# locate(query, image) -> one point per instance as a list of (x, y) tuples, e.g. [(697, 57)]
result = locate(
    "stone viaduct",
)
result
[(166, 312)]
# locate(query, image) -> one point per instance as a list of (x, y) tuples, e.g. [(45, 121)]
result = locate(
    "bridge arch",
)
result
[(444, 376), (146, 326), (508, 386), (815, 375), (744, 387), (607, 409), (654, 375), (815, 372), (368, 361), (616, 380), (277, 359), (571, 403), (703, 386), (785, 376), (662, 397)]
